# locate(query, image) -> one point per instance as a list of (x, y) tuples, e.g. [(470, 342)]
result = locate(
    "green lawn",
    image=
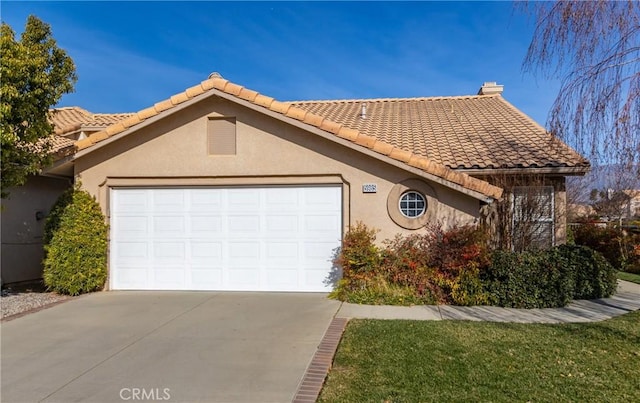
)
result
[(634, 278), (457, 361)]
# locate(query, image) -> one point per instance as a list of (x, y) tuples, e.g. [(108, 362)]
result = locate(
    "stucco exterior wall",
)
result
[(173, 152), (22, 251), (560, 205)]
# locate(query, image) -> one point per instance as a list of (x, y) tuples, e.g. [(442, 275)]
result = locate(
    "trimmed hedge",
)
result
[(548, 278), (75, 245)]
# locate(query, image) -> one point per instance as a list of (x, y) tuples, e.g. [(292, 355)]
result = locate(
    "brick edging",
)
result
[(313, 379)]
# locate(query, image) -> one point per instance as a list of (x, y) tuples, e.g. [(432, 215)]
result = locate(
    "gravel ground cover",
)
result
[(20, 298)]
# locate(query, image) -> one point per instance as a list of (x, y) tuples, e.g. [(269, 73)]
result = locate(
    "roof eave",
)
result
[(562, 171)]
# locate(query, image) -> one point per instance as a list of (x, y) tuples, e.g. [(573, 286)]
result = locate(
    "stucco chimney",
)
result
[(490, 88)]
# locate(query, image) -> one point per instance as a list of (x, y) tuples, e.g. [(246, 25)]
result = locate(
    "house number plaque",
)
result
[(369, 188)]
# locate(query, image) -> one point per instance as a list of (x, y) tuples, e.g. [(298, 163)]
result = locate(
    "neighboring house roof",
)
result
[(71, 119), (62, 146), (632, 193), (464, 132)]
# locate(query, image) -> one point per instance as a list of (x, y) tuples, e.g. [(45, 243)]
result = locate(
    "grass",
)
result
[(457, 361), (634, 278)]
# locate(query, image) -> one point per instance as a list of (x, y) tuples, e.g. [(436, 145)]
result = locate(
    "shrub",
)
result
[(405, 261), (75, 245), (634, 263), (511, 281), (593, 276), (548, 278), (436, 266), (467, 289), (617, 246), (359, 254), (454, 266), (378, 291)]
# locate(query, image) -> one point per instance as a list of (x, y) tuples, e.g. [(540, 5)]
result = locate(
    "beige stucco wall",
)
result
[(22, 251), (560, 205), (173, 152)]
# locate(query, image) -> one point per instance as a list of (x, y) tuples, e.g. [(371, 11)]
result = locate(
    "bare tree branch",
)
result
[(593, 47)]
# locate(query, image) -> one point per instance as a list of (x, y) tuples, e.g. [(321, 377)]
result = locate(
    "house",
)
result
[(632, 206), (222, 188)]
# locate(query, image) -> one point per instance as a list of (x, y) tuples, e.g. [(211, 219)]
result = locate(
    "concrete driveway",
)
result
[(164, 346)]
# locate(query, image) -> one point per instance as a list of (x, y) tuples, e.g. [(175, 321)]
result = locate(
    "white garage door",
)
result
[(266, 239)]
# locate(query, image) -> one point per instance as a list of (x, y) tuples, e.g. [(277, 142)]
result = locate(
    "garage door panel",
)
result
[(131, 201), (168, 252), (280, 224), (207, 278), (168, 226), (321, 225), (244, 278), (169, 200), (205, 200), (131, 227), (169, 278), (244, 250), (240, 224), (205, 225), (130, 251), (282, 250), (282, 255), (321, 199), (272, 239), (285, 279), (284, 199), (131, 278), (243, 200), (207, 252), (314, 279), (319, 250)]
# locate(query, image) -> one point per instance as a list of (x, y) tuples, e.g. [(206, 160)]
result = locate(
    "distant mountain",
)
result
[(602, 177)]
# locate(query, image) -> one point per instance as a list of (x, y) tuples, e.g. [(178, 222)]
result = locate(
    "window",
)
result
[(412, 204), (533, 217), (221, 136)]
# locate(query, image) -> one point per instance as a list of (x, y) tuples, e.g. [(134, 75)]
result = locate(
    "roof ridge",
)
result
[(355, 100), (288, 110), (112, 114), (69, 108)]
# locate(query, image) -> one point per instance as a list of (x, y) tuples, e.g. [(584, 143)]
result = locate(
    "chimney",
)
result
[(490, 88)]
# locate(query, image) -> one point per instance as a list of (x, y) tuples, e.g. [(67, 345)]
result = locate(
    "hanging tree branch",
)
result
[(593, 48)]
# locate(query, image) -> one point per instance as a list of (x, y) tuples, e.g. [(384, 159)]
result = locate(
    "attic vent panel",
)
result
[(221, 136)]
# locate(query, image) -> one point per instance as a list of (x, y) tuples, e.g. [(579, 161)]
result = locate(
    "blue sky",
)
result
[(130, 55)]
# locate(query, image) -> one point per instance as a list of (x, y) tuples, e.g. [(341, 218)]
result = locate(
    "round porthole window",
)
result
[(412, 204)]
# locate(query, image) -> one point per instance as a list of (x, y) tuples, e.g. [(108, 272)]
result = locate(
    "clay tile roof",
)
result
[(62, 145), (69, 119), (431, 134), (464, 132)]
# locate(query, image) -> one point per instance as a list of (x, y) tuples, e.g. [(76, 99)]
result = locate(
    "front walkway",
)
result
[(626, 299)]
